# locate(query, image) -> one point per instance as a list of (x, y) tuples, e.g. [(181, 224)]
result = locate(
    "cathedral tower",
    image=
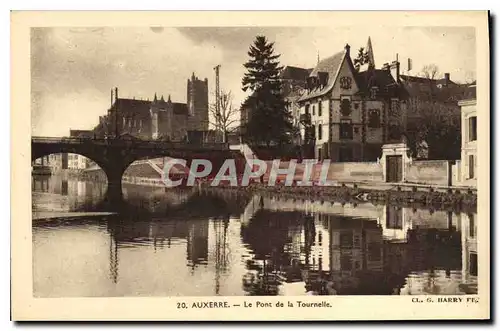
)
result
[(197, 103)]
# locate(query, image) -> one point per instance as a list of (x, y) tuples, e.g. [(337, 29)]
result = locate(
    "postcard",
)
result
[(244, 166)]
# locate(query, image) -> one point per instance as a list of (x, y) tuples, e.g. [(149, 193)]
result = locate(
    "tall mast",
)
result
[(217, 94)]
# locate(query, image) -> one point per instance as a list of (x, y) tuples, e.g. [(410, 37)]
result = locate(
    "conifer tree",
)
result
[(269, 121)]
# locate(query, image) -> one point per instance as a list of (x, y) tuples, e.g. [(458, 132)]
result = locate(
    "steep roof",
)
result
[(378, 77), (422, 80), (142, 107), (423, 88), (132, 106), (330, 65), (295, 73)]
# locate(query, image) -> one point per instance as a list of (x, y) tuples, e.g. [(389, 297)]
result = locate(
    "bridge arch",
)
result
[(68, 176), (114, 156)]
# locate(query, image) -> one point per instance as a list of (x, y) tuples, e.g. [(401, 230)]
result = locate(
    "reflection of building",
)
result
[(469, 142), (469, 247), (395, 223), (53, 161), (321, 244), (77, 162), (374, 250), (197, 242), (355, 245)]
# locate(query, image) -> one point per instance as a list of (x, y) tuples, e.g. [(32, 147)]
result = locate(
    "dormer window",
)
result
[(323, 78), (374, 92)]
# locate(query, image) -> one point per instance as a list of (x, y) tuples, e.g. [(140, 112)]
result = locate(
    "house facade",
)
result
[(469, 142), (352, 113)]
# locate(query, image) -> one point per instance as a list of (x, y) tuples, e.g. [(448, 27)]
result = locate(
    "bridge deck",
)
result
[(135, 143)]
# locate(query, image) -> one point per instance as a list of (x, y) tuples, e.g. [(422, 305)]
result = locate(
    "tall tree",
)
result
[(361, 59), (269, 122)]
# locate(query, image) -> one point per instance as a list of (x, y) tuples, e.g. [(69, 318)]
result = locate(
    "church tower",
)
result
[(197, 103)]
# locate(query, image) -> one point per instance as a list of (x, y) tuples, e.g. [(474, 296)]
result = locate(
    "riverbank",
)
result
[(404, 195), (49, 216)]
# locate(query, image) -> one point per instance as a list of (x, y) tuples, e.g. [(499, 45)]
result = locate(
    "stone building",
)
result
[(353, 110), (469, 141), (159, 118), (353, 113), (293, 80)]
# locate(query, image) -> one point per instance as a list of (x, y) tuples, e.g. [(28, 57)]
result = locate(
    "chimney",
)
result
[(116, 93), (385, 66), (111, 97), (395, 70), (447, 78)]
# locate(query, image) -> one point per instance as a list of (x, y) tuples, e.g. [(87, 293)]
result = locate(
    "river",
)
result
[(183, 243)]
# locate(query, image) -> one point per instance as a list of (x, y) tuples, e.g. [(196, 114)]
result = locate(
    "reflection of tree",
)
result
[(309, 235), (113, 259), (267, 236), (221, 256)]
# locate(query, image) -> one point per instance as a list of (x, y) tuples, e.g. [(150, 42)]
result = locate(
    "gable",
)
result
[(345, 81)]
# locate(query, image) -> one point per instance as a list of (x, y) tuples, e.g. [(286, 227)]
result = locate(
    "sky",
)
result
[(74, 69)]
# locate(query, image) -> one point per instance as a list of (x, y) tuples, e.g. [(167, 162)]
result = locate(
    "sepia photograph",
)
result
[(255, 165)]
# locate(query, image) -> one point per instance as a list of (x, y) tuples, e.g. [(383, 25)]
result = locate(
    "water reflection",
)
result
[(226, 245)]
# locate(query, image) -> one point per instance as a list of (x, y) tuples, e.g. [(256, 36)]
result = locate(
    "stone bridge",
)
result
[(115, 155)]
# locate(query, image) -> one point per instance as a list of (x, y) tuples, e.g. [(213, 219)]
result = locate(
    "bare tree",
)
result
[(223, 115), (470, 77), (430, 71)]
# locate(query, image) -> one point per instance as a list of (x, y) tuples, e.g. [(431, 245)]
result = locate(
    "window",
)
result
[(320, 131), (473, 264), (346, 129), (346, 240), (394, 132), (374, 118), (472, 128), (373, 92), (307, 109), (345, 106), (471, 167), (472, 226), (394, 217), (319, 109), (313, 110), (394, 111)]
